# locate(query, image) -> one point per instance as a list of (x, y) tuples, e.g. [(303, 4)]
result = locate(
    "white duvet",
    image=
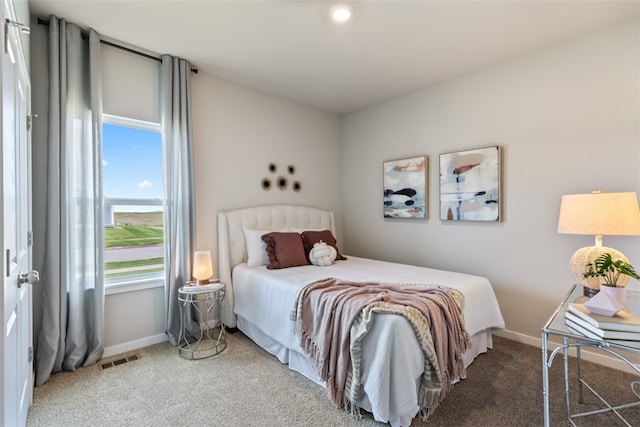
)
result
[(392, 358)]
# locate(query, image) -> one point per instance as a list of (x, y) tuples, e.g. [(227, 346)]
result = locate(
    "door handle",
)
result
[(31, 278)]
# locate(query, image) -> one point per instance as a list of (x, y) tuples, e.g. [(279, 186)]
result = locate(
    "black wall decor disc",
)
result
[(282, 183)]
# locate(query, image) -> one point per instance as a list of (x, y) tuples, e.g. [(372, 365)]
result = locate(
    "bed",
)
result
[(259, 302)]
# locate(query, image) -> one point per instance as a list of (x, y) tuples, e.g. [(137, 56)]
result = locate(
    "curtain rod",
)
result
[(118, 46)]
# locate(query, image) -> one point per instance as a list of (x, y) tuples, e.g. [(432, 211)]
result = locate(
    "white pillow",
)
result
[(256, 248)]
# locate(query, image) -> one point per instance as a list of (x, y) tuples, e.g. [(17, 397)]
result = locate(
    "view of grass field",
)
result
[(132, 236), (134, 229), (150, 219)]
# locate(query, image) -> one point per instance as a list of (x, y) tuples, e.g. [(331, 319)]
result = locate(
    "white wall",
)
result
[(238, 132), (567, 118), (133, 320)]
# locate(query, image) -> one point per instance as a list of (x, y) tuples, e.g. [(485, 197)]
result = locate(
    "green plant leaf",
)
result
[(609, 270)]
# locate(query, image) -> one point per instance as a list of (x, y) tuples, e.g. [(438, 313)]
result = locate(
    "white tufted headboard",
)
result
[(232, 248)]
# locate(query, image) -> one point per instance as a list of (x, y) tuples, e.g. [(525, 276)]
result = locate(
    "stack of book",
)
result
[(622, 326)]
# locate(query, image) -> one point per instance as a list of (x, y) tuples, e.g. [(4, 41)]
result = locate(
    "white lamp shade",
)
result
[(202, 268), (609, 214)]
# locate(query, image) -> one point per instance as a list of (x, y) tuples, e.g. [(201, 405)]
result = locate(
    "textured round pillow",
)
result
[(322, 254)]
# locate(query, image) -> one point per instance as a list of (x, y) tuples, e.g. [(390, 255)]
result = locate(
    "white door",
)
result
[(17, 358)]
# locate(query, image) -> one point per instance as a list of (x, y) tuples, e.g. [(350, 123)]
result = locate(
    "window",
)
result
[(133, 192)]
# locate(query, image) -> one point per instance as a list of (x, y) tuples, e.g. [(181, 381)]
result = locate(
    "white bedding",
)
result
[(392, 357)]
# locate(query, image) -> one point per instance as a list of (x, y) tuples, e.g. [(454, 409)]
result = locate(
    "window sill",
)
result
[(132, 284)]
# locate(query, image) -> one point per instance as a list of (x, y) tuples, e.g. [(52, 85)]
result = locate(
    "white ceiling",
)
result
[(290, 48)]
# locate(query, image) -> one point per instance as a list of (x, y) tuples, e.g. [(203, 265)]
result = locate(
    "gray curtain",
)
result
[(179, 211), (72, 301)]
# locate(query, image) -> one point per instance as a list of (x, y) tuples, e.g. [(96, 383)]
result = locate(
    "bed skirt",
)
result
[(398, 416)]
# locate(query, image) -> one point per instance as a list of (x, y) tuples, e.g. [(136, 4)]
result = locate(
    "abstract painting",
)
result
[(470, 185), (404, 187)]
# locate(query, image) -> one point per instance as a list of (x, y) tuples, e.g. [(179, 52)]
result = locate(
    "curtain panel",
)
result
[(72, 284), (179, 188)]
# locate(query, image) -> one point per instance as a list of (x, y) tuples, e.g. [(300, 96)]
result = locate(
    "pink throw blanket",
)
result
[(326, 310)]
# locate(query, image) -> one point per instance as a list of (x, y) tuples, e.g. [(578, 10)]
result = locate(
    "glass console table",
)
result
[(556, 326)]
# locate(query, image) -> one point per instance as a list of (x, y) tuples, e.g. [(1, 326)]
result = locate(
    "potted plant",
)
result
[(609, 270)]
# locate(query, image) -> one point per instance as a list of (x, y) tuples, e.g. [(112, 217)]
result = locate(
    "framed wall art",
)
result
[(470, 185), (404, 188)]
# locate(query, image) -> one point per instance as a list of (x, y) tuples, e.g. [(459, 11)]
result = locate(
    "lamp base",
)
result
[(584, 256), (202, 282)]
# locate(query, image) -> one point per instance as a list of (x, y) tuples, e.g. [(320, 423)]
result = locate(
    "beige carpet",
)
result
[(245, 386)]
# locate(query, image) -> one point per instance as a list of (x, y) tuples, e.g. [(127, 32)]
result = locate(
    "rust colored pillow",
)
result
[(310, 238), (284, 250)]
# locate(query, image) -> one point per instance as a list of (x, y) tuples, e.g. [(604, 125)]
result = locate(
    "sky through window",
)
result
[(132, 165)]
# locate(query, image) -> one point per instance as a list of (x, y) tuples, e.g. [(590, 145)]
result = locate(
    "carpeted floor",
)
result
[(245, 386)]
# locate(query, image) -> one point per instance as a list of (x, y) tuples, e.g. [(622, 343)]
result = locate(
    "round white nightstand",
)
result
[(204, 299)]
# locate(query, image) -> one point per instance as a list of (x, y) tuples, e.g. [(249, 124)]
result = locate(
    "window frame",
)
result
[(134, 282)]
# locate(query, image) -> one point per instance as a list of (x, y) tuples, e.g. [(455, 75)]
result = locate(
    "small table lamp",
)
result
[(202, 269), (611, 214)]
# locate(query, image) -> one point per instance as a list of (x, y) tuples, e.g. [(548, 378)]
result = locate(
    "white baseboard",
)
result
[(587, 354), (134, 345)]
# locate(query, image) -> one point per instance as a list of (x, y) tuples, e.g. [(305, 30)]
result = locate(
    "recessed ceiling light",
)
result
[(341, 13)]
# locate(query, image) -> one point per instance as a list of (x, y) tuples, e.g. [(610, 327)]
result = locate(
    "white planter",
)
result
[(608, 301), (618, 292)]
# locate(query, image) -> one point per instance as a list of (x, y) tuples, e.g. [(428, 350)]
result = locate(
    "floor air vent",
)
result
[(119, 360)]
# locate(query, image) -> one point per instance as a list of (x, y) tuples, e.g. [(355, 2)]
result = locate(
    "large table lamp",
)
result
[(599, 214)]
